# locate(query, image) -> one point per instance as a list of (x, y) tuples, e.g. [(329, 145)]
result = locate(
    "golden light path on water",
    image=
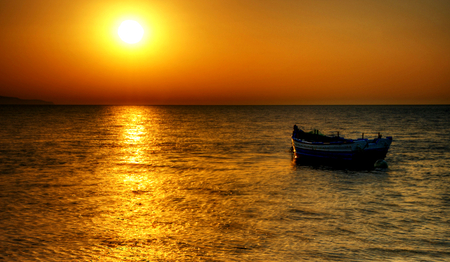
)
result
[(134, 219), (158, 208)]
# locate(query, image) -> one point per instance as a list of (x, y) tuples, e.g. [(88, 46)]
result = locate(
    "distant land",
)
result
[(5, 100)]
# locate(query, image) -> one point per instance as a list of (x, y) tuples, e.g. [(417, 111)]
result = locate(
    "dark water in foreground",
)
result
[(217, 183)]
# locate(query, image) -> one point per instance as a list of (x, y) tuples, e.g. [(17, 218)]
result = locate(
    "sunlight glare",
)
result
[(130, 31)]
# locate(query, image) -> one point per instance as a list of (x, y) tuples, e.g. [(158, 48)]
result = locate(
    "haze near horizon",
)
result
[(227, 52)]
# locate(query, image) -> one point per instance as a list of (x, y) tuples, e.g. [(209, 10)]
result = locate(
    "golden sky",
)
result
[(227, 52)]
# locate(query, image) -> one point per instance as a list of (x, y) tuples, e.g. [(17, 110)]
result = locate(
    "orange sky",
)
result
[(227, 52)]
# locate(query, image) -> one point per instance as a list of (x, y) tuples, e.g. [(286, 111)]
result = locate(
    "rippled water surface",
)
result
[(218, 183)]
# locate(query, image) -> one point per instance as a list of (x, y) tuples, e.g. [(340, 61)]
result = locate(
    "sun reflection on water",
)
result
[(158, 209), (134, 135), (168, 210), (134, 188)]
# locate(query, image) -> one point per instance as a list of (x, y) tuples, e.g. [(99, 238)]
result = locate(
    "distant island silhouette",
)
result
[(5, 100)]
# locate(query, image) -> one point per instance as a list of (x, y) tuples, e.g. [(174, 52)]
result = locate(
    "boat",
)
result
[(314, 145)]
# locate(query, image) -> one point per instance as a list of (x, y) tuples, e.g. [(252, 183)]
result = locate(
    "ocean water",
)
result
[(218, 183)]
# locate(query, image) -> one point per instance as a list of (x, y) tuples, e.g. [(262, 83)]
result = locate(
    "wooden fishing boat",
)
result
[(316, 146)]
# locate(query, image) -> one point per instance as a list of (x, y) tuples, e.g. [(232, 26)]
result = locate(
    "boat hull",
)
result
[(362, 151)]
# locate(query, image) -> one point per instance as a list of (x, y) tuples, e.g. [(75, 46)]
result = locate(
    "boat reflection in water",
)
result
[(335, 150)]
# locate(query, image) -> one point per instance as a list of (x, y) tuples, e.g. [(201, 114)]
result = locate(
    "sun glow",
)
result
[(130, 31)]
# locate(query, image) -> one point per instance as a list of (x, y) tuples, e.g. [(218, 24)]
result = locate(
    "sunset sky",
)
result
[(227, 52)]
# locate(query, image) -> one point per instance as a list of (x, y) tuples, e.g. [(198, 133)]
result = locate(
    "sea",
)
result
[(219, 183)]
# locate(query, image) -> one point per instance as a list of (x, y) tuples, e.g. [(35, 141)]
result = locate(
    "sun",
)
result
[(130, 31)]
